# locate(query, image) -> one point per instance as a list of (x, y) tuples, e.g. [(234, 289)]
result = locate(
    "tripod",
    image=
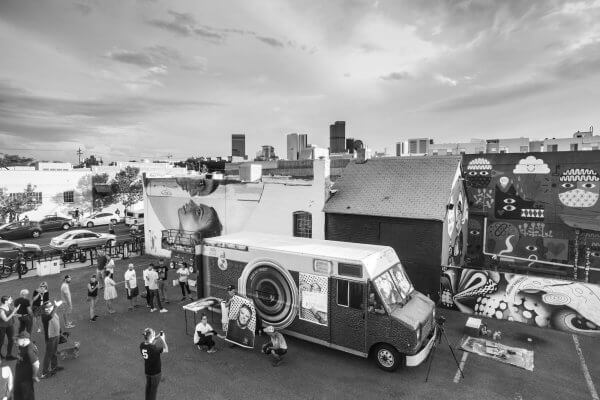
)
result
[(441, 332)]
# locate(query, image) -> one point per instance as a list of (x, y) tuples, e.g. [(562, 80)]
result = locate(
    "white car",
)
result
[(101, 218), (82, 238)]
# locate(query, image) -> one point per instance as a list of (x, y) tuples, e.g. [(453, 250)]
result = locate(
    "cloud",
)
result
[(270, 41), (84, 9), (157, 56), (395, 76), (139, 58), (444, 80), (531, 165)]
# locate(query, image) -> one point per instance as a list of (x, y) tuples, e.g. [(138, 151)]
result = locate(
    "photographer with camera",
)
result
[(276, 346), (151, 349)]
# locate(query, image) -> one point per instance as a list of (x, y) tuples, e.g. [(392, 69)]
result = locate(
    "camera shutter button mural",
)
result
[(579, 188)]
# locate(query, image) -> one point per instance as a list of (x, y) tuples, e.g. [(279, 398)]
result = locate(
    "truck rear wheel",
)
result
[(387, 357)]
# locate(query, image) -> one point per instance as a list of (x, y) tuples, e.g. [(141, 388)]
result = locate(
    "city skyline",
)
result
[(181, 77)]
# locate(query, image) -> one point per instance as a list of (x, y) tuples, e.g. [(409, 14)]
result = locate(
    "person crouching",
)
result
[(203, 335), (275, 346)]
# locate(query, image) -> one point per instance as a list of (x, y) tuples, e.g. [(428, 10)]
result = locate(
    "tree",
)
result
[(90, 161), (14, 204), (127, 186), (10, 160)]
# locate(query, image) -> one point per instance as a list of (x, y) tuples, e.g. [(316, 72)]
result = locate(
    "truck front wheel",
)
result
[(387, 357)]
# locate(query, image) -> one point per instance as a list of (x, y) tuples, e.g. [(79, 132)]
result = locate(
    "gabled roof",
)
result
[(397, 187)]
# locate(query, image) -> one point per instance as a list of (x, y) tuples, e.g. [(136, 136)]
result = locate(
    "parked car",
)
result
[(10, 250), (102, 218), (136, 229), (82, 238), (53, 222), (20, 230)]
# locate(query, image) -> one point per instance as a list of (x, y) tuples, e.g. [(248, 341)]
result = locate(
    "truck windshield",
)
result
[(394, 286)]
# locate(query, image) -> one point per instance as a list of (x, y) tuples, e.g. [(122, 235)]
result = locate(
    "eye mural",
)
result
[(533, 243), (579, 188), (479, 173)]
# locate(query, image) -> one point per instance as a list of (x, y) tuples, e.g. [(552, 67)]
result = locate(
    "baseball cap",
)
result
[(67, 276), (23, 335), (230, 288), (269, 329)]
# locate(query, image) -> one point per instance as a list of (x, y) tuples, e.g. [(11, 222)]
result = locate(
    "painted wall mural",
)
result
[(542, 302), (534, 214), (455, 225)]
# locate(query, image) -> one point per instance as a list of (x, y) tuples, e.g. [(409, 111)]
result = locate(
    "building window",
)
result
[(68, 196), (302, 224), (36, 196), (349, 294), (574, 147), (552, 147)]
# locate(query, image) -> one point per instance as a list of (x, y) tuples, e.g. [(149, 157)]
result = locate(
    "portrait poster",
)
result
[(242, 322), (314, 294)]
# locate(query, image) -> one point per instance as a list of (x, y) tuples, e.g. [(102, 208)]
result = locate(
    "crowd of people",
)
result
[(38, 310)]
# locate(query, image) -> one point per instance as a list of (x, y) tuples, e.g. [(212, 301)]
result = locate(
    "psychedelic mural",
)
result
[(534, 214), (455, 225), (542, 302)]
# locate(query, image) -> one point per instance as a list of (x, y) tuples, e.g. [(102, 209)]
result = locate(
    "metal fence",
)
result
[(124, 250)]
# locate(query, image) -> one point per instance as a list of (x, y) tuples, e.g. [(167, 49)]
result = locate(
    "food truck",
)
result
[(351, 297)]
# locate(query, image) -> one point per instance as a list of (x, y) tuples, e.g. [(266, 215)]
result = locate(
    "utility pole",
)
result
[(79, 153)]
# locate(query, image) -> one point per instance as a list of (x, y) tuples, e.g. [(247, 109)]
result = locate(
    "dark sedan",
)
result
[(10, 250), (54, 223), (20, 230)]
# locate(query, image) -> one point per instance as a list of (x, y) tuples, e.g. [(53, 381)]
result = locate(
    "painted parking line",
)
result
[(586, 372), (463, 360)]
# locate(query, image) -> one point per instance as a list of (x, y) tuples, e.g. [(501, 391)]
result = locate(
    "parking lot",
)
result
[(110, 367)]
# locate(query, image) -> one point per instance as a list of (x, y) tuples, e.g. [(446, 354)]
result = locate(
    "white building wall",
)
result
[(52, 185)]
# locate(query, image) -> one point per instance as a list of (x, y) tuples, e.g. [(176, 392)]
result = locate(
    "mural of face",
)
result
[(474, 242), (579, 188), (509, 205), (200, 219), (479, 173)]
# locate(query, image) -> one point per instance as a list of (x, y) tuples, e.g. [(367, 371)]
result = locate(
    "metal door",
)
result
[(347, 314)]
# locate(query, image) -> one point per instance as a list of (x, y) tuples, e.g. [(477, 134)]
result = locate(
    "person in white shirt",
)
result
[(203, 335), (275, 346), (65, 295), (153, 278), (183, 274), (147, 284), (131, 286), (110, 266)]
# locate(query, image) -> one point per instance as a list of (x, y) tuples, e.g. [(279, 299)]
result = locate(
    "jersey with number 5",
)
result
[(151, 355)]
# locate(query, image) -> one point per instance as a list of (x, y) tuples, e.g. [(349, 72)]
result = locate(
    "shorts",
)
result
[(132, 293), (280, 352)]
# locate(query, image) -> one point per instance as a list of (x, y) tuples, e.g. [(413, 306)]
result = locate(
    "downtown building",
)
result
[(337, 137), (238, 146)]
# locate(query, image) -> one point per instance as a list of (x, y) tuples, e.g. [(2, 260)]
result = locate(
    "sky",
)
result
[(132, 79)]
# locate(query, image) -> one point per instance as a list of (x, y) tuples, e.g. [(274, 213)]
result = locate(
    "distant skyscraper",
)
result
[(350, 145), (302, 142), (293, 146), (238, 145), (268, 153), (337, 137)]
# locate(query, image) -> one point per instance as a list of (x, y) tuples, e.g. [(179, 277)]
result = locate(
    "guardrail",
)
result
[(133, 246)]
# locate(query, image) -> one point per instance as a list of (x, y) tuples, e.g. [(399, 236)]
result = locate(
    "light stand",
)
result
[(441, 332)]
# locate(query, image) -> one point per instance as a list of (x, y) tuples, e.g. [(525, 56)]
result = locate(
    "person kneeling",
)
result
[(276, 345), (203, 336)]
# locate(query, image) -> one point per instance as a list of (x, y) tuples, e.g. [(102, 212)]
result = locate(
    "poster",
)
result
[(314, 292), (242, 322)]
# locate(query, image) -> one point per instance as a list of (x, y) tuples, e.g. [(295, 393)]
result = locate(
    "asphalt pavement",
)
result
[(110, 367)]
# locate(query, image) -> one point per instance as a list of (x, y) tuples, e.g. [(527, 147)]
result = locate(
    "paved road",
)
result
[(110, 367), (121, 230)]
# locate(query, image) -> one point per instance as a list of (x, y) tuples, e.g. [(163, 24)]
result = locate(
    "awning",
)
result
[(102, 188)]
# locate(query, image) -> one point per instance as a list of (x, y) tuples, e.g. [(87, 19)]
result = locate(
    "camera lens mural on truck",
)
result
[(273, 294)]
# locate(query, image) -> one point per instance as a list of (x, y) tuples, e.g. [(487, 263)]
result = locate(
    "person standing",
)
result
[(110, 266), (6, 382), (111, 227), (26, 370), (51, 322), (39, 297), (7, 327), (153, 287), (92, 296), (183, 274), (24, 311), (162, 271), (149, 302), (110, 291), (276, 345), (65, 295), (151, 349), (131, 286), (20, 264), (101, 266), (76, 215)]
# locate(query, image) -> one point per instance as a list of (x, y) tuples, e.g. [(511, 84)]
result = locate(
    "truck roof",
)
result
[(328, 249)]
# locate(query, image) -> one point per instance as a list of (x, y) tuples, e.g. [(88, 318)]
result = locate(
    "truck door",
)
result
[(347, 314)]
